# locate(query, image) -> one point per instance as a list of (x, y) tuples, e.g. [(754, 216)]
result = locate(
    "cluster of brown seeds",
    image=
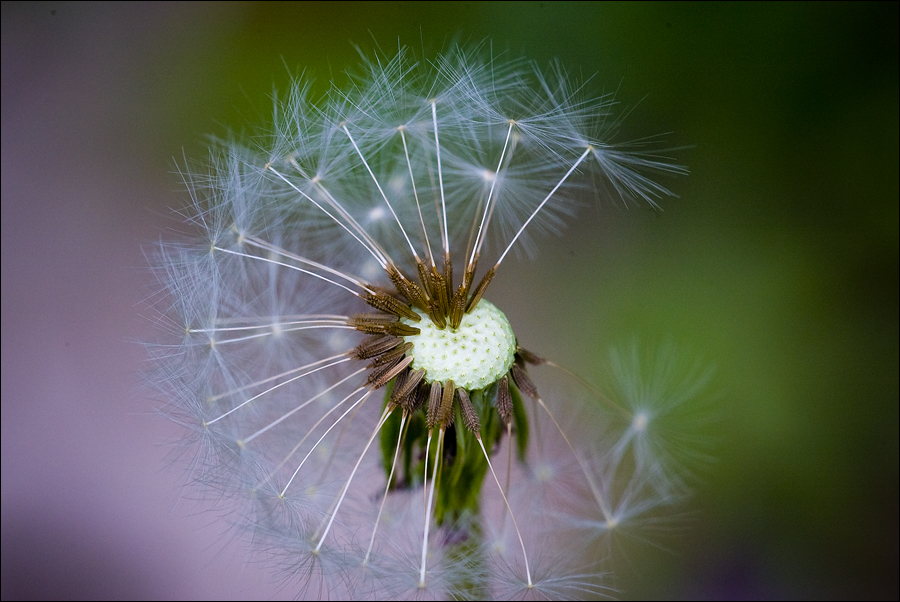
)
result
[(391, 354)]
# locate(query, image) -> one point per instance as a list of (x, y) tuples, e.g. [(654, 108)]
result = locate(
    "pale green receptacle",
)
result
[(474, 355)]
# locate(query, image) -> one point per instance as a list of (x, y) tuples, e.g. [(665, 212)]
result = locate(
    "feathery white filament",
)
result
[(601, 501), (276, 325), (387, 486), (479, 239), (412, 180), (270, 389), (437, 146), (320, 421), (434, 474), (541, 206), (384, 417), (365, 396), (253, 241), (508, 507), (371, 249), (380, 190), (303, 405), (275, 377), (290, 267)]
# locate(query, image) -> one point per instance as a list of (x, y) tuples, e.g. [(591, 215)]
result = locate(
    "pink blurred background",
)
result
[(89, 508)]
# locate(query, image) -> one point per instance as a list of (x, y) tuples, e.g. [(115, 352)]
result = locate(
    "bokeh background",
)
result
[(778, 263)]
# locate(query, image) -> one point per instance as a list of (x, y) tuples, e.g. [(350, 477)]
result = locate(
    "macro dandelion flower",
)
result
[(351, 392)]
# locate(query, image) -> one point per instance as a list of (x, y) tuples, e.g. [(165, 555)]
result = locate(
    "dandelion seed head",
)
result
[(345, 385)]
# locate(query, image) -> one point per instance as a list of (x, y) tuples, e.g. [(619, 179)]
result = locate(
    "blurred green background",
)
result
[(778, 263)]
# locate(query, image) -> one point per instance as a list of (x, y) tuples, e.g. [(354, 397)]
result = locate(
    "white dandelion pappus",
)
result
[(349, 387)]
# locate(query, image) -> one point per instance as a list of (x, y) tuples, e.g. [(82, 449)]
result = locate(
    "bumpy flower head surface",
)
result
[(351, 393), (473, 356)]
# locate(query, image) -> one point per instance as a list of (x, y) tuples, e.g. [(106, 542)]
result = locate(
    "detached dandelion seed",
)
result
[(347, 382)]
